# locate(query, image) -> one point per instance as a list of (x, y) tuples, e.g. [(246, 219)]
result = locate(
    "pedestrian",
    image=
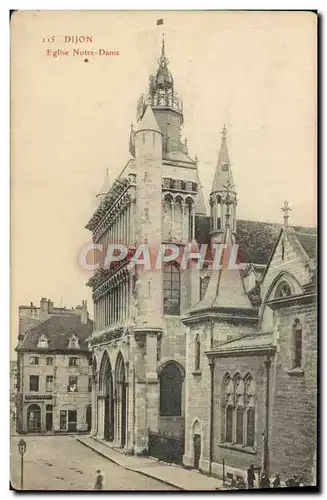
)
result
[(251, 477), (99, 481), (264, 483), (276, 481)]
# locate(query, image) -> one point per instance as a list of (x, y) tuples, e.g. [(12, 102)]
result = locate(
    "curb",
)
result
[(138, 471)]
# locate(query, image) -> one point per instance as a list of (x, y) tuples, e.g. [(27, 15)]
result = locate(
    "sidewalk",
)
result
[(173, 475)]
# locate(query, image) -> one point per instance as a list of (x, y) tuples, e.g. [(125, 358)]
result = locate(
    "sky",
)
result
[(253, 71)]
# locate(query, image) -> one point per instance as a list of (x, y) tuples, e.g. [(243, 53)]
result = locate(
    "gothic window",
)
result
[(297, 344), (283, 290), (171, 277), (239, 399), (167, 220), (178, 221), (250, 411), (197, 353), (34, 383), (170, 391), (228, 402), (204, 282)]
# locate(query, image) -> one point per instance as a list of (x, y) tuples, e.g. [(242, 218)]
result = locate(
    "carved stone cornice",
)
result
[(179, 185), (108, 203), (109, 335), (105, 280)]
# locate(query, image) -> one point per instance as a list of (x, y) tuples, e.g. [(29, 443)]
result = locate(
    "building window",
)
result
[(73, 361), (250, 411), (72, 384), (197, 353), (238, 411), (90, 384), (49, 361), (34, 383), (170, 391), (34, 360), (33, 418), (171, 276), (73, 343), (283, 290), (42, 342), (49, 383), (63, 420), (204, 282), (297, 344)]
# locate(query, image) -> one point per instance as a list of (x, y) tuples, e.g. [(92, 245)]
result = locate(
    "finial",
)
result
[(185, 141), (286, 209), (107, 171), (163, 61), (224, 132), (196, 158)]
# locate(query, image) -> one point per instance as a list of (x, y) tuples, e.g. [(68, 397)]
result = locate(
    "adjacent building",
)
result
[(200, 365), (53, 369)]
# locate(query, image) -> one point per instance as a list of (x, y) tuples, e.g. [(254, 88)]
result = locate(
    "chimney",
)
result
[(43, 307), (85, 314), (50, 306)]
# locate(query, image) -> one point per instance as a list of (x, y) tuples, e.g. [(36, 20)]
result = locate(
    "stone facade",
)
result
[(167, 345), (54, 373)]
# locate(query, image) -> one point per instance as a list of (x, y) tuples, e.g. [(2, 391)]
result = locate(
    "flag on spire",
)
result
[(159, 22)]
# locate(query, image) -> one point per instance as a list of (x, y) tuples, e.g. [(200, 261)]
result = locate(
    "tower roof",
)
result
[(148, 122), (223, 174), (225, 289)]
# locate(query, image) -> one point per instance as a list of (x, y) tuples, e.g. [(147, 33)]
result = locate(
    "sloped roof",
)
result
[(309, 243), (58, 330), (257, 239), (246, 342), (148, 121)]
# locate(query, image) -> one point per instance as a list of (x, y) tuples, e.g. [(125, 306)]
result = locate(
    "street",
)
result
[(62, 463)]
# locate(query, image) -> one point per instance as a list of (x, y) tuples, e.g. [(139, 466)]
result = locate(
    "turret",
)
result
[(148, 153), (223, 199)]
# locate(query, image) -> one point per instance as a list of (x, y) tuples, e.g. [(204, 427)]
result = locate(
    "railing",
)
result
[(166, 447)]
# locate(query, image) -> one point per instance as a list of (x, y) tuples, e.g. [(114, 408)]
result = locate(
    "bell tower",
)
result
[(167, 107), (223, 200)]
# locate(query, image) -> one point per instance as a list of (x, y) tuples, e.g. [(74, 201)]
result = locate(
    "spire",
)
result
[(223, 174), (148, 122)]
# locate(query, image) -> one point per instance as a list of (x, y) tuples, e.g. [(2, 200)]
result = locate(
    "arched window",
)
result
[(283, 290), (170, 391), (297, 344), (178, 220), (172, 285), (204, 282), (167, 220), (228, 401), (34, 418), (238, 411), (250, 411), (239, 400), (197, 353)]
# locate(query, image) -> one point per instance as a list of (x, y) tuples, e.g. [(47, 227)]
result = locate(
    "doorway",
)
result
[(72, 421), (34, 418), (197, 450), (48, 417), (89, 417)]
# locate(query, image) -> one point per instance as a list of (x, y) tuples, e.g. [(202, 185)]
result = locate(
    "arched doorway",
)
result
[(121, 398), (106, 392), (196, 444), (89, 417), (33, 418)]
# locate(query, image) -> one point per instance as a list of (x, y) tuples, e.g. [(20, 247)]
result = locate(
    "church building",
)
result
[(216, 365)]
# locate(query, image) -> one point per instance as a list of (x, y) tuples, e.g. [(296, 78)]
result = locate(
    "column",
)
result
[(152, 386), (193, 222), (94, 408), (172, 219)]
